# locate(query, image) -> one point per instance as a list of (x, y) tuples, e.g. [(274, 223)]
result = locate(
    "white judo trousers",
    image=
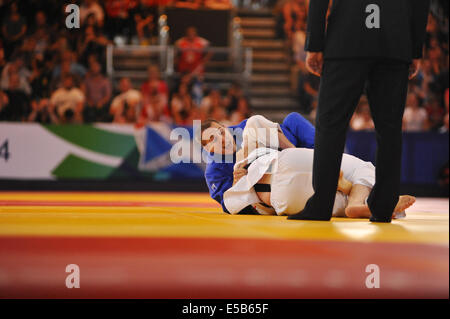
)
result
[(291, 181), (291, 174)]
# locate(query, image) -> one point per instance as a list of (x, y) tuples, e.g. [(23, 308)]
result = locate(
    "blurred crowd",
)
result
[(52, 74), (427, 101)]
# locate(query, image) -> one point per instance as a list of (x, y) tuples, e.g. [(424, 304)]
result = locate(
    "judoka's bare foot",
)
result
[(404, 202), (363, 211), (357, 211), (344, 185)]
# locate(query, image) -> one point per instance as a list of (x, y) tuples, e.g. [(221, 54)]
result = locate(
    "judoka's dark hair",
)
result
[(206, 125)]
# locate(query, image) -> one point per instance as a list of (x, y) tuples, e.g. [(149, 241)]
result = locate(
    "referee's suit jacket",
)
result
[(400, 36)]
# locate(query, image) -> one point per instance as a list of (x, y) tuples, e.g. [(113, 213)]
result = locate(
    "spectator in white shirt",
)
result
[(415, 118), (362, 119), (68, 101), (127, 104)]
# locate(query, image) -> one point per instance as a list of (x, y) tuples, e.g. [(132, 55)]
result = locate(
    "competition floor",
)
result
[(180, 245)]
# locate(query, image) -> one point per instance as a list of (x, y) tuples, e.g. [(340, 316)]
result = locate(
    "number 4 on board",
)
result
[(4, 153)]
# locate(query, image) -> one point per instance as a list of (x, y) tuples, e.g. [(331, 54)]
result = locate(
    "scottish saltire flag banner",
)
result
[(157, 151), (98, 151)]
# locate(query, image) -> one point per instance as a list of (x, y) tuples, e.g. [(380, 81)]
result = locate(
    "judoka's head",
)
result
[(216, 138)]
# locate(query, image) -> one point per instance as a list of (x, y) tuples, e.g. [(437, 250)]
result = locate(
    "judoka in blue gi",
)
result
[(295, 131)]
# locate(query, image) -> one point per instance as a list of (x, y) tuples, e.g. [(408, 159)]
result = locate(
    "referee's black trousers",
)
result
[(342, 84)]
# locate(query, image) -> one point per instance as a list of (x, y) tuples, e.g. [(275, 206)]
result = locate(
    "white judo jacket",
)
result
[(260, 137)]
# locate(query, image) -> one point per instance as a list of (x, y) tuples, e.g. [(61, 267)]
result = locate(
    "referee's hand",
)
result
[(314, 62), (414, 68)]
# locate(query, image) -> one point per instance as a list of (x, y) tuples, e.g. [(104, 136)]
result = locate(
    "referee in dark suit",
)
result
[(372, 44)]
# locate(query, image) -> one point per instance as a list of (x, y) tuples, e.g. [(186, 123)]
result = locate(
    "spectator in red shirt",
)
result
[(118, 15), (150, 112), (192, 54)]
